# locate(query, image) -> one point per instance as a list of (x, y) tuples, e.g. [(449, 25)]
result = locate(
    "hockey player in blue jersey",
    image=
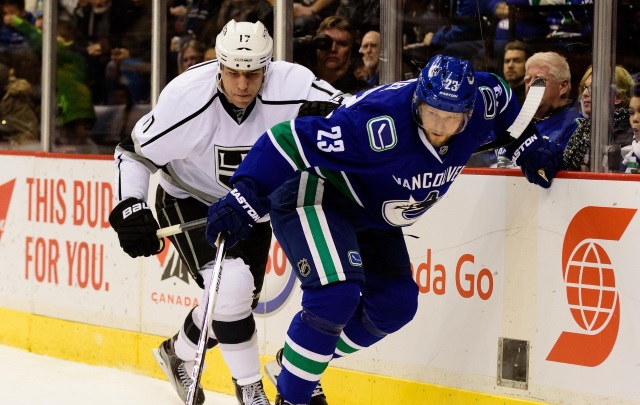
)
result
[(339, 189)]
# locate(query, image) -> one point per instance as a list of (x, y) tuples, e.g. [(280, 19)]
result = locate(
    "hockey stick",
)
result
[(529, 108), (176, 229), (209, 305)]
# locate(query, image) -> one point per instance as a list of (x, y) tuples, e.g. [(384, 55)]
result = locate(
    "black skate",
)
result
[(280, 401), (251, 393), (177, 371), (273, 368)]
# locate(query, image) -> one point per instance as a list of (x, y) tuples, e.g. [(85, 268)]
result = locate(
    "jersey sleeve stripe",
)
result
[(285, 139), (192, 116), (282, 139)]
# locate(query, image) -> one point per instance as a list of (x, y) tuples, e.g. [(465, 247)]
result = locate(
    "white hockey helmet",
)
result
[(244, 45)]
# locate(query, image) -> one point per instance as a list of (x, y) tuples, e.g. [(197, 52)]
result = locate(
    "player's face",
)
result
[(514, 61), (634, 116), (439, 126), (241, 86)]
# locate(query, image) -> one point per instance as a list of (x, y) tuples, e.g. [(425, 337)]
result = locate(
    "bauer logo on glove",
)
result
[(136, 227)]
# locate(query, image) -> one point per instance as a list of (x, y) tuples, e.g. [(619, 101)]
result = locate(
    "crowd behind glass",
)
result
[(104, 61)]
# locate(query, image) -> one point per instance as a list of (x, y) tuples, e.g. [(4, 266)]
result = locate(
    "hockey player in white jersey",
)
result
[(339, 188), (203, 125)]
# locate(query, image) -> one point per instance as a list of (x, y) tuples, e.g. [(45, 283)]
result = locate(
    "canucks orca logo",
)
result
[(490, 102), (405, 213)]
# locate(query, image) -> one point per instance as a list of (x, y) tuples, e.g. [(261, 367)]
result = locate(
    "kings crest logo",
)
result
[(228, 158), (304, 268), (382, 133)]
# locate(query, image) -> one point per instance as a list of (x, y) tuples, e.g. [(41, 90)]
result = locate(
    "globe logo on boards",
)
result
[(590, 285)]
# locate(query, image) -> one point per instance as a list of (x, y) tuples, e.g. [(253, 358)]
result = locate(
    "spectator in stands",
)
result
[(308, 14), (516, 54), (15, 51), (93, 21), (464, 37), (18, 119), (76, 114), (197, 17), (364, 15), (370, 50), (576, 155), (10, 39), (556, 118), (335, 65), (131, 47), (632, 156), (191, 53)]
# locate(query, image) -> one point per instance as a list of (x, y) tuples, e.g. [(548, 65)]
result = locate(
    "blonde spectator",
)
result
[(577, 153)]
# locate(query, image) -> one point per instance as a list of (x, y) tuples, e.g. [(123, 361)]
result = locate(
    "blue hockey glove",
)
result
[(235, 214), (539, 159), (541, 165), (136, 227)]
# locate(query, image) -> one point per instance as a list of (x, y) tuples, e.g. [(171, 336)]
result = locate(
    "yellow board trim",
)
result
[(131, 351)]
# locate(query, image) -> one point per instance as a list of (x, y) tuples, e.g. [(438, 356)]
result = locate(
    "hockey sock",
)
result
[(243, 359), (187, 343), (312, 337), (388, 303)]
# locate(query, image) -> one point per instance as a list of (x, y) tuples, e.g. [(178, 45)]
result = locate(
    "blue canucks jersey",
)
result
[(372, 149)]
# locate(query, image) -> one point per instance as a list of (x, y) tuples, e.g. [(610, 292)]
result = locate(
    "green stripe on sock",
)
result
[(303, 363), (344, 347)]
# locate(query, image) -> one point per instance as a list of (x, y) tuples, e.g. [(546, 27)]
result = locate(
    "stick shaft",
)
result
[(209, 306), (176, 229)]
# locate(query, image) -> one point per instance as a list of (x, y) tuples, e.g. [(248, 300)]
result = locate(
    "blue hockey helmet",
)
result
[(447, 83)]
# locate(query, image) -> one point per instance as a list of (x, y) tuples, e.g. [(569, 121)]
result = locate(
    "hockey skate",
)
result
[(177, 371), (280, 401), (273, 368), (251, 393)]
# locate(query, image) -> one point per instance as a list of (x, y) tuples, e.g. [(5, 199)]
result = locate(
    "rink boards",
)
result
[(496, 258)]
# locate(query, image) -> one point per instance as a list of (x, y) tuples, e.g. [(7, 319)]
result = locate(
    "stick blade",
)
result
[(529, 108)]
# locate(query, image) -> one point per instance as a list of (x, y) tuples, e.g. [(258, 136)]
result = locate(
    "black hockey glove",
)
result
[(235, 214), (136, 227), (317, 108)]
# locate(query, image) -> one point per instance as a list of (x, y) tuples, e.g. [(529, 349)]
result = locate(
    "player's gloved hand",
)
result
[(317, 108), (539, 159), (235, 214), (136, 227), (542, 165)]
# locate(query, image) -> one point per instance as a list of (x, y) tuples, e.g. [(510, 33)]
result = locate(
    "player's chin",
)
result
[(437, 139)]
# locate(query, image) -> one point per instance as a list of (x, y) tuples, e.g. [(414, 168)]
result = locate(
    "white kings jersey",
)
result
[(197, 138)]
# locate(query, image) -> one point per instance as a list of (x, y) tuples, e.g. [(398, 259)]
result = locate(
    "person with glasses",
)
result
[(576, 155), (556, 118)]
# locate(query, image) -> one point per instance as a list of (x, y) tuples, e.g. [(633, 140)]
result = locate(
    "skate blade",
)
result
[(272, 370), (163, 366)]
